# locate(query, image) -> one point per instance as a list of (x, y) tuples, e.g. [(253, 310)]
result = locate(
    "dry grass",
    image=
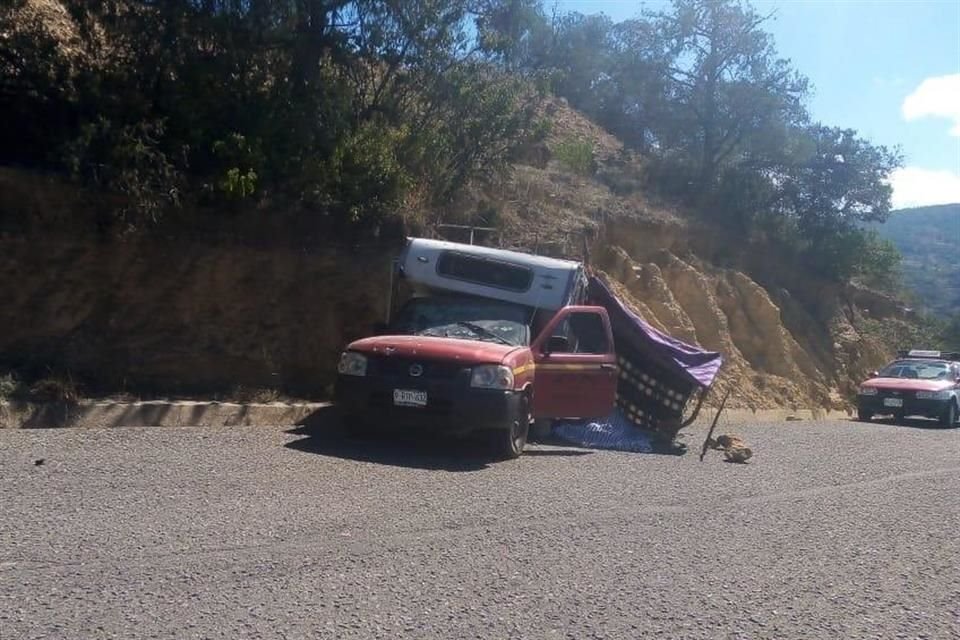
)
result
[(254, 395), (55, 389), (545, 205)]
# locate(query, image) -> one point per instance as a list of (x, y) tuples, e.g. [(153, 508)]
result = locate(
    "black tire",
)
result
[(509, 443), (948, 418), (864, 415)]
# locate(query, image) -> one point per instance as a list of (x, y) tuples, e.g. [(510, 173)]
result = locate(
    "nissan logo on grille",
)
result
[(416, 370)]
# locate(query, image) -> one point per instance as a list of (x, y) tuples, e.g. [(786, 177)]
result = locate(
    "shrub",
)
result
[(127, 159), (9, 387), (55, 389), (576, 156), (856, 253)]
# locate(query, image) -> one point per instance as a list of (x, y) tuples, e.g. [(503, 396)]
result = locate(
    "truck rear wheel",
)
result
[(509, 443)]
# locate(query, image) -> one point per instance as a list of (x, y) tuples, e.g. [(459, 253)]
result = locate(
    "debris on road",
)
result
[(733, 447)]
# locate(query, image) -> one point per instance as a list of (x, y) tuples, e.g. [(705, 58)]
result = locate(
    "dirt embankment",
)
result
[(195, 315), (779, 351), (178, 317), (130, 315)]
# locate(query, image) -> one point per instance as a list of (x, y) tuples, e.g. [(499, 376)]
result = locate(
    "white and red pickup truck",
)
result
[(491, 340)]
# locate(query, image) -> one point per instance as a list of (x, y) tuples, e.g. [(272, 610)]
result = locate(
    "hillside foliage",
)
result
[(358, 110), (348, 108), (929, 240)]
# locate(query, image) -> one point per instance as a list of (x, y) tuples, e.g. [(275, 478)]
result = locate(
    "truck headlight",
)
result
[(352, 364), (868, 391), (492, 377), (933, 395)]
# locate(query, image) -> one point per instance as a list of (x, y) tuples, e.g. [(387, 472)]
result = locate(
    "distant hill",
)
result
[(929, 239)]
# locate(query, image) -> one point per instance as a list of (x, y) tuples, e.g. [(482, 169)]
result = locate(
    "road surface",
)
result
[(834, 530)]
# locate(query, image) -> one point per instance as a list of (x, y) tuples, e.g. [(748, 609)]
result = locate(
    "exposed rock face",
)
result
[(198, 316), (773, 358)]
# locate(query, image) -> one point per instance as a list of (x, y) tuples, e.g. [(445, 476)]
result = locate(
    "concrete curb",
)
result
[(103, 414)]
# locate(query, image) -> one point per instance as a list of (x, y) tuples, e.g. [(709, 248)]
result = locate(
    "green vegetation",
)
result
[(347, 109), (51, 388), (929, 239), (363, 110), (922, 332), (9, 387), (700, 91), (576, 156)]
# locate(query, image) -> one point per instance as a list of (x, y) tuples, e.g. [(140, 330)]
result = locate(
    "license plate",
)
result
[(893, 402), (405, 398)]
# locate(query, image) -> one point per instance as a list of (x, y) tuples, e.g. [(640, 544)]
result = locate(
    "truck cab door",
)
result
[(576, 366)]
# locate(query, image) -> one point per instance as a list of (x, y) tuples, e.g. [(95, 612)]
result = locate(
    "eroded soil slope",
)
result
[(191, 314), (181, 317), (766, 364)]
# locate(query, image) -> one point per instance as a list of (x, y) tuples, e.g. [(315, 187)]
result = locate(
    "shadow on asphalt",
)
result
[(912, 423), (556, 453), (324, 435)]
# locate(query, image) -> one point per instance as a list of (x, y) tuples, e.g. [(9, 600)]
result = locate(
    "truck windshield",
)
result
[(916, 369), (464, 318)]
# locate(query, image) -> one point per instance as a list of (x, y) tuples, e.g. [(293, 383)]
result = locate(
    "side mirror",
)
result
[(556, 344), (874, 374)]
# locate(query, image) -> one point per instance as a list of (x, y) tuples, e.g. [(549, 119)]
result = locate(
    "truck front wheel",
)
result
[(509, 442)]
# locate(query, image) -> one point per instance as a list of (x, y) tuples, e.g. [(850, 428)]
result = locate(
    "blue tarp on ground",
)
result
[(614, 432)]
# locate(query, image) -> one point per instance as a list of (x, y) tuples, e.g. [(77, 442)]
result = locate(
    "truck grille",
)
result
[(400, 368)]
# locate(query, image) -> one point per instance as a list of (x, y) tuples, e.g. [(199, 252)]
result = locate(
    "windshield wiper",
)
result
[(484, 332)]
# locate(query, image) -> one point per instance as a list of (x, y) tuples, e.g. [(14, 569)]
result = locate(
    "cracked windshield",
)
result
[(466, 319)]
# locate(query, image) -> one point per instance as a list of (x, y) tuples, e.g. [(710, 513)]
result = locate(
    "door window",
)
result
[(581, 332)]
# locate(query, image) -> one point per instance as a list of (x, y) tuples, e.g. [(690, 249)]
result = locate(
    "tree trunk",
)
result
[(708, 155)]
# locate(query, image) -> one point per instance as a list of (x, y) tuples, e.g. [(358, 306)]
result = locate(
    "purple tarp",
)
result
[(687, 361)]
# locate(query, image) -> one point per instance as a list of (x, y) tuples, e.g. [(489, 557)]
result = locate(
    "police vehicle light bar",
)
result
[(926, 353)]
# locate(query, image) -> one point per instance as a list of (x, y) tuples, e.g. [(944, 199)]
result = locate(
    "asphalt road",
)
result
[(834, 530)]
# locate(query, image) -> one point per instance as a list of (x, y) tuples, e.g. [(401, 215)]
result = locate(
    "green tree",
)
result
[(835, 180), (342, 106), (733, 97)]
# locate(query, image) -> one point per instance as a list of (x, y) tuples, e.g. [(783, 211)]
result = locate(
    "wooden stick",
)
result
[(713, 426), (696, 412)]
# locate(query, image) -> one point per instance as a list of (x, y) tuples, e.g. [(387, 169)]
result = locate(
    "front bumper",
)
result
[(452, 405), (911, 406)]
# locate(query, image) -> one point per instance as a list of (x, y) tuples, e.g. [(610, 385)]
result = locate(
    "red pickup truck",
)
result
[(489, 341)]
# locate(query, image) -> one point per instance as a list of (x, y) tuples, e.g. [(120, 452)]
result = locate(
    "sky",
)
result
[(888, 68)]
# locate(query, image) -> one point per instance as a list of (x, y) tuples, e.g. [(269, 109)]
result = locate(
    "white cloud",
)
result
[(916, 187), (938, 97)]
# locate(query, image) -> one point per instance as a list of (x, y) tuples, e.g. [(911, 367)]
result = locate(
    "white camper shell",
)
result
[(436, 266)]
